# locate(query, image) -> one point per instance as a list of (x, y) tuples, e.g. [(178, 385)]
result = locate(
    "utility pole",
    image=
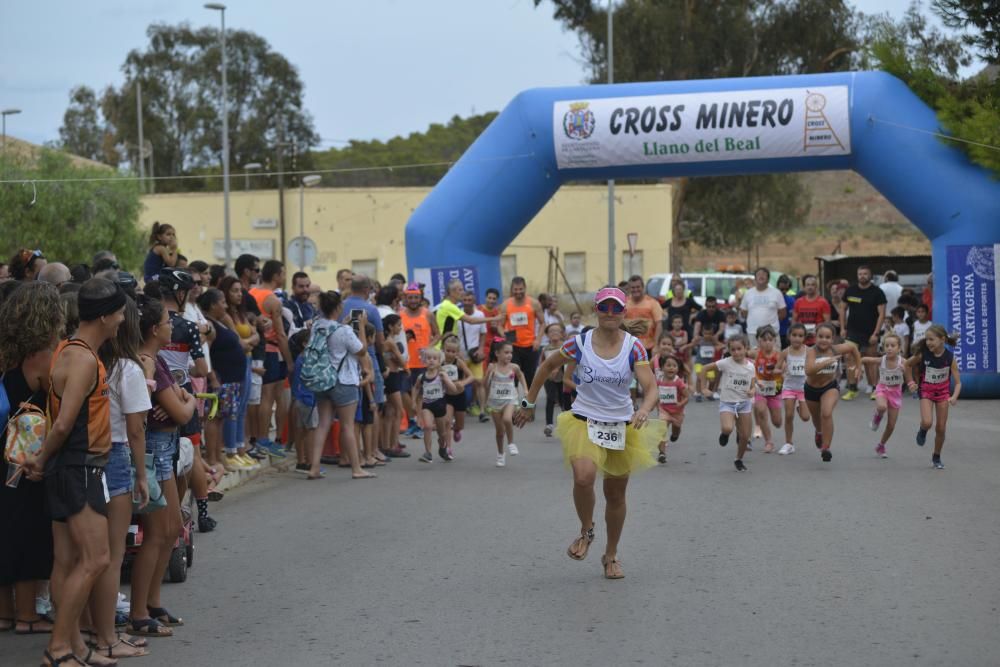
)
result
[(281, 196), (611, 181), (142, 145)]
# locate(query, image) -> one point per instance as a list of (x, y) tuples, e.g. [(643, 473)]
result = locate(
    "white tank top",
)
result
[(602, 390), (795, 371)]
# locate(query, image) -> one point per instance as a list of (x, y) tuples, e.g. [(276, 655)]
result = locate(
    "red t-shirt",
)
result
[(811, 312)]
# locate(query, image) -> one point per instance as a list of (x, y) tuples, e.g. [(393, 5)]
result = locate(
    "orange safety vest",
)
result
[(521, 320), (260, 295), (421, 340)]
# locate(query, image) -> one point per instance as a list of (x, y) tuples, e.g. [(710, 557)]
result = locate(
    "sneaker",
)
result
[(750, 445), (397, 453), (674, 437), (443, 454), (818, 439), (426, 458), (723, 439), (302, 468), (786, 449), (409, 429), (715, 396), (458, 436), (880, 450), (740, 467), (206, 524), (849, 395), (418, 433), (662, 458), (871, 395), (548, 430), (876, 420), (483, 418), (233, 463), (501, 460), (275, 449), (474, 411), (757, 433), (512, 449), (698, 398), (936, 462), (922, 437), (827, 456)]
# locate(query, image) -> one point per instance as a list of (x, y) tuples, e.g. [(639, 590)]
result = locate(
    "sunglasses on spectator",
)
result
[(610, 306)]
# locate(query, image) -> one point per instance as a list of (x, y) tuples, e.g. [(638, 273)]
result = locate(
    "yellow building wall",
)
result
[(352, 227)]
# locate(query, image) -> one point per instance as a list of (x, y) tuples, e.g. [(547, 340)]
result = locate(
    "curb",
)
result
[(237, 478)]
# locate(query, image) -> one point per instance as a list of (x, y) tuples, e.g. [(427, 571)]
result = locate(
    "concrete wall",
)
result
[(356, 228)]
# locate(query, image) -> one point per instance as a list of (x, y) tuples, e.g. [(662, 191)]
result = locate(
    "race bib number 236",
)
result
[(609, 435)]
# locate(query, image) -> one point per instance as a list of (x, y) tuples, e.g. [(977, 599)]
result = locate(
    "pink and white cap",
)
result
[(612, 293)]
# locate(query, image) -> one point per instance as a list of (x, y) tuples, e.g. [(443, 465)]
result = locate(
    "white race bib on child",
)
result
[(609, 435), (936, 375), (501, 391), (451, 370), (767, 387), (796, 367), (433, 391), (668, 395), (810, 328), (829, 369), (706, 351), (890, 377)]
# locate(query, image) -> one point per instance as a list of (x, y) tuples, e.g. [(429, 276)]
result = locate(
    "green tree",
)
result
[(982, 16), (659, 40), (83, 132), (69, 220), (929, 62), (439, 144), (180, 76)]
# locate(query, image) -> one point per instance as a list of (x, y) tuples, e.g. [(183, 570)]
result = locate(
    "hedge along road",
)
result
[(859, 562)]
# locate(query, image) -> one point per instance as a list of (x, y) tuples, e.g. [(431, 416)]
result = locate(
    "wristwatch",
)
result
[(527, 406)]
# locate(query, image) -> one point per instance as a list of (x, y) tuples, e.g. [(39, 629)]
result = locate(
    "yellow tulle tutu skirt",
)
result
[(639, 453)]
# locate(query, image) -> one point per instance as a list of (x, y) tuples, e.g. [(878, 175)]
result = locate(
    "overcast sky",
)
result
[(371, 68)]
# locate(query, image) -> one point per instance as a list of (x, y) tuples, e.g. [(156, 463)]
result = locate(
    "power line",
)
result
[(939, 135), (345, 170)]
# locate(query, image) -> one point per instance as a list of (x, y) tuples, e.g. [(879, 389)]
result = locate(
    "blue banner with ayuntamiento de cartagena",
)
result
[(442, 275), (973, 305)]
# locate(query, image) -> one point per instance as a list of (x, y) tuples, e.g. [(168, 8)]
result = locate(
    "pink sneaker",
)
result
[(880, 450), (876, 420), (458, 436)]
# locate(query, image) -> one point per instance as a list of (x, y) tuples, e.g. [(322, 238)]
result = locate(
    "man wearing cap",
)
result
[(421, 333), (449, 313)]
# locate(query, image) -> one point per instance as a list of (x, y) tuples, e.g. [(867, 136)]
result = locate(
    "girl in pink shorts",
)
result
[(889, 390), (938, 369), (792, 364), (767, 401)]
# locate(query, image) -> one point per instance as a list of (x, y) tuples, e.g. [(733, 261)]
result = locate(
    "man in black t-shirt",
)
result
[(865, 304)]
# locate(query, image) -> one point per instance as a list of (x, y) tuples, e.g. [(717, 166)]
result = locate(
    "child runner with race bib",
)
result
[(793, 368), (937, 368), (738, 386), (673, 396), (889, 390)]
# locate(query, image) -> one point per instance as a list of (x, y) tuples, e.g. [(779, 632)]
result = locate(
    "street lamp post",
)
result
[(221, 8), (611, 181), (5, 113), (247, 168), (307, 182)]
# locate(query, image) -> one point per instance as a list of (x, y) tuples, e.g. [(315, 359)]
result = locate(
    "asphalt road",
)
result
[(861, 561)]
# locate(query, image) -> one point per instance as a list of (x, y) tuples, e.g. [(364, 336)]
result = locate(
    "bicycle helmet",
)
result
[(175, 280)]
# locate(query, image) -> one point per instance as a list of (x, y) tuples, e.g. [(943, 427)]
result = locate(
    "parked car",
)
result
[(701, 285)]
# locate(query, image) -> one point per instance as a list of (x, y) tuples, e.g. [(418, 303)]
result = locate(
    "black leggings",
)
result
[(527, 359), (554, 396)]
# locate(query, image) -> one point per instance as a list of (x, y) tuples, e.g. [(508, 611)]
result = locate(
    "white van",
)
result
[(701, 285)]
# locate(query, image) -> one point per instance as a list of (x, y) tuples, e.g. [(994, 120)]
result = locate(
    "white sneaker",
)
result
[(501, 460), (715, 396), (548, 430), (786, 449), (512, 449)]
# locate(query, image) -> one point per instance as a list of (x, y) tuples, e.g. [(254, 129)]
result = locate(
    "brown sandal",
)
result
[(587, 536), (612, 568)]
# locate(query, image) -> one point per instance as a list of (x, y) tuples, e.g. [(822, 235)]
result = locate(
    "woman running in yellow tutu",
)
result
[(602, 430)]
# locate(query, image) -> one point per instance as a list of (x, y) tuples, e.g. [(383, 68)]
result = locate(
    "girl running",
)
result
[(429, 393), (738, 389), (502, 382), (458, 372), (601, 432), (767, 399), (889, 390), (793, 368), (937, 367), (822, 390), (673, 396)]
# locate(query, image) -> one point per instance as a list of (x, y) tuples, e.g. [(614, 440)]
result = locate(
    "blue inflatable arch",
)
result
[(860, 121)]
